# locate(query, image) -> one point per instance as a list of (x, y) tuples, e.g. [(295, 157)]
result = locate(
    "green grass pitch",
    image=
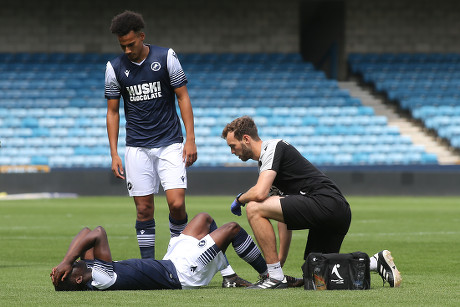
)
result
[(422, 233)]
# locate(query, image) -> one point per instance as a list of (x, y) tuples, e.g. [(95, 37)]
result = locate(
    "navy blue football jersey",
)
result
[(133, 274), (148, 95)]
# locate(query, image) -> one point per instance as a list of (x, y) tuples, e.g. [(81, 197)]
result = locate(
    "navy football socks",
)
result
[(146, 238), (247, 250), (176, 227)]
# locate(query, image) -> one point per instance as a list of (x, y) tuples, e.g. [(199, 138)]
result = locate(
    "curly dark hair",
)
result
[(241, 126), (126, 22), (68, 284)]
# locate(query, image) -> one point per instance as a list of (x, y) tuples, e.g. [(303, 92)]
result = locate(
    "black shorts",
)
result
[(327, 216)]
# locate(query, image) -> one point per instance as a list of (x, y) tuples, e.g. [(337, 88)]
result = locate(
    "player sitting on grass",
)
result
[(191, 261)]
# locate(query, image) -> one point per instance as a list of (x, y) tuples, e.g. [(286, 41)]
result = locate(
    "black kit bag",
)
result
[(337, 271)]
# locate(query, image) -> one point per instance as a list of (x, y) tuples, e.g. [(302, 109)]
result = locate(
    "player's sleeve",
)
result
[(103, 275), (176, 73), (271, 157), (112, 87)]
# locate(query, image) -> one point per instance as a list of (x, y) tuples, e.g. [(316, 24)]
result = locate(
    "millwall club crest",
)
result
[(155, 66)]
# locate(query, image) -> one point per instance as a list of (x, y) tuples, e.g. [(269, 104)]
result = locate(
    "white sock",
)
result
[(227, 271), (275, 271), (373, 263)]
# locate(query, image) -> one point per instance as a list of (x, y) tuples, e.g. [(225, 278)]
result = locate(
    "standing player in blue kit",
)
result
[(149, 78)]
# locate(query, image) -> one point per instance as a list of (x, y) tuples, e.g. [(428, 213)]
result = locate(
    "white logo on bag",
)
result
[(335, 270)]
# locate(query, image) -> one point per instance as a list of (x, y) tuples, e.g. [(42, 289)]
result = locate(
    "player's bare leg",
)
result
[(199, 226), (258, 216), (144, 207), (177, 213)]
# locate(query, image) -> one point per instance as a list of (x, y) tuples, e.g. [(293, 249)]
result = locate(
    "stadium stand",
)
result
[(52, 111), (426, 85)]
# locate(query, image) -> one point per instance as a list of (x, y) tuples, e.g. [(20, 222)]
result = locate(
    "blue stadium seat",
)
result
[(421, 83), (39, 160), (63, 112)]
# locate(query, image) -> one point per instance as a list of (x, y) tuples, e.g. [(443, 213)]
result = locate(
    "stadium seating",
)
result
[(427, 85), (52, 111)]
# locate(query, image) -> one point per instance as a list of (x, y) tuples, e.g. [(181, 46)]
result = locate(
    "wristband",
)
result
[(238, 199)]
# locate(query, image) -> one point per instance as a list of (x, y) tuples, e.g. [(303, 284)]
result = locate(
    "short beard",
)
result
[(246, 153)]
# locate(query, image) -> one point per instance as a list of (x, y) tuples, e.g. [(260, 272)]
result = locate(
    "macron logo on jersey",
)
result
[(144, 91)]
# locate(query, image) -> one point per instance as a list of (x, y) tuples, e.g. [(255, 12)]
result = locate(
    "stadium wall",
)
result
[(373, 180), (230, 26), (208, 26), (186, 26), (402, 26)]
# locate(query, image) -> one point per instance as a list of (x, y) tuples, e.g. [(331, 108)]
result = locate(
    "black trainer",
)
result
[(293, 282), (265, 282), (234, 281), (387, 268)]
